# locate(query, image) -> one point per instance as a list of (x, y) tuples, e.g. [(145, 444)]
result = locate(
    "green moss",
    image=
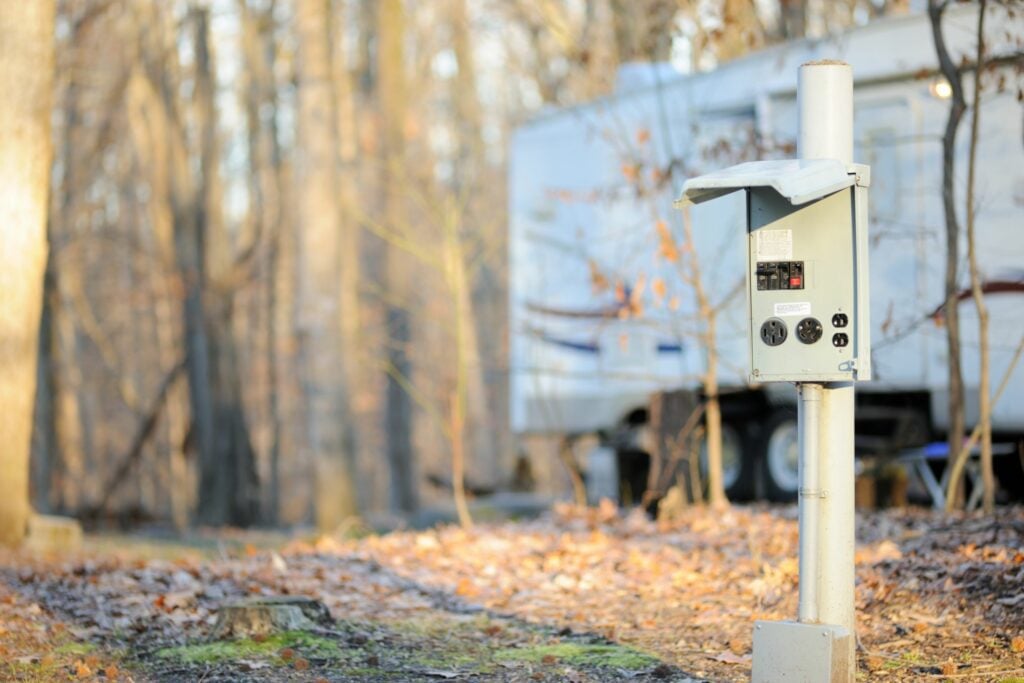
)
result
[(74, 648), (599, 656), (52, 666), (304, 644), (372, 674), (441, 660), (440, 628)]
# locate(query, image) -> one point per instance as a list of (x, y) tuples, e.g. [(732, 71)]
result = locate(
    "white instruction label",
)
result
[(773, 245), (792, 309)]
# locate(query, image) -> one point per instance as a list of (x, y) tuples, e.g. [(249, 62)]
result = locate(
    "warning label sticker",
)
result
[(773, 245), (793, 308)]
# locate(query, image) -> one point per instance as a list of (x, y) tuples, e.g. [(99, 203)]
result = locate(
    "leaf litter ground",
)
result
[(577, 595)]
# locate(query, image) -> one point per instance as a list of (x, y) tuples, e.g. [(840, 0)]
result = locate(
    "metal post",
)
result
[(810, 496), (836, 519), (825, 94)]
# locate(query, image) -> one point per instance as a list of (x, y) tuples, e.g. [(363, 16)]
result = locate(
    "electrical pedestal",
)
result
[(807, 295)]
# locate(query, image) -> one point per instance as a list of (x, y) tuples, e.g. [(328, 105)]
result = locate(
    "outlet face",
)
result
[(840, 320), (840, 339), (773, 331), (808, 330)]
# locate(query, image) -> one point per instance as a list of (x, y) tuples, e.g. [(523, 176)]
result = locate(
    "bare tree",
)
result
[(957, 107), (392, 112), (265, 182), (481, 307), (332, 434), (985, 399), (228, 487), (26, 68), (640, 29), (58, 458), (984, 381), (707, 314)]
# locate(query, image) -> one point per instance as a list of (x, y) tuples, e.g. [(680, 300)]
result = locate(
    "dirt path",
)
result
[(36, 646), (577, 595), (156, 616)]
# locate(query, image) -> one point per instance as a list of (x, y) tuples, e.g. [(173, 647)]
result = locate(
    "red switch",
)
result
[(796, 282)]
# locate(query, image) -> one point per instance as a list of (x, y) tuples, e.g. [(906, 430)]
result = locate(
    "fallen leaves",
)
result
[(874, 662), (35, 646), (466, 588), (729, 657), (934, 594)]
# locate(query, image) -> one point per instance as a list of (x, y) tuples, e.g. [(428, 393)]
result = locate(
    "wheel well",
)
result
[(891, 421)]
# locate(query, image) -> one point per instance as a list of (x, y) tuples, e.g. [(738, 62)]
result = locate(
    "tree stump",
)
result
[(268, 615)]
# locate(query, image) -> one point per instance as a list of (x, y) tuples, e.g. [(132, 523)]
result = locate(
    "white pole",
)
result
[(836, 521), (810, 495), (825, 95), (825, 91)]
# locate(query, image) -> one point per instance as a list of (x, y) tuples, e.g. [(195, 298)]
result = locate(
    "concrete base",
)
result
[(52, 534), (801, 653)]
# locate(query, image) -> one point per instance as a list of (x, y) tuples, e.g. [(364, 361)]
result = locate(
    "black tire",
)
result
[(739, 463), (634, 467), (779, 451)]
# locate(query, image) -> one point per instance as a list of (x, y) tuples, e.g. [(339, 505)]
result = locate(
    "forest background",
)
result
[(275, 282)]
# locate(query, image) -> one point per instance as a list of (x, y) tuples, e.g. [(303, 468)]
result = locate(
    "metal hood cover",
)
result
[(798, 180)]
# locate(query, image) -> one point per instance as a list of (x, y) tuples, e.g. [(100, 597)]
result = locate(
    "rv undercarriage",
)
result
[(662, 445)]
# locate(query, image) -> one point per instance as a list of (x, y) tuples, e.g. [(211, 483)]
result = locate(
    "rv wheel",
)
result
[(780, 447), (738, 464)]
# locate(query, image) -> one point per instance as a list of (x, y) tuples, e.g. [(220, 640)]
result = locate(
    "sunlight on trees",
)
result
[(273, 287)]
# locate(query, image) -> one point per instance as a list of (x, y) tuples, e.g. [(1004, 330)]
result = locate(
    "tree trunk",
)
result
[(742, 30), (332, 434), (952, 314), (179, 494), (27, 69), (391, 114), (984, 426), (157, 147), (229, 491), (984, 381), (259, 48), (354, 340), (228, 481), (464, 356), (713, 414), (792, 19), (640, 33), (58, 483), (480, 301)]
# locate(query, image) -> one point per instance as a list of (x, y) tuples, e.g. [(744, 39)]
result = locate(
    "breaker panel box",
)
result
[(807, 272)]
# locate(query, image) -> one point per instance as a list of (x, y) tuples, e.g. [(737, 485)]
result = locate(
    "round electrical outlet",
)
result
[(808, 330), (773, 331)]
